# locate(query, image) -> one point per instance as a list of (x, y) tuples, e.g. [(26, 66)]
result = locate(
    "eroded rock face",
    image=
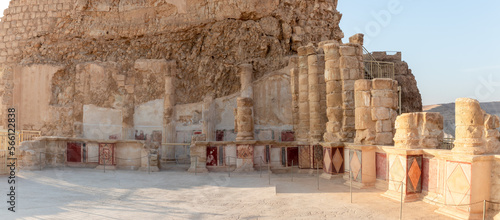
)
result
[(207, 39)]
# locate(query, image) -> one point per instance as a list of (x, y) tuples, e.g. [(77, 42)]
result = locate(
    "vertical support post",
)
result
[(292, 170), (350, 183), (260, 166), (484, 209), (195, 165), (104, 165), (401, 208), (317, 174), (269, 173), (228, 164), (40, 161), (149, 163)]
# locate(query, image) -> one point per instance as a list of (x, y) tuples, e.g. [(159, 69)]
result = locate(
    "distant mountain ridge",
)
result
[(448, 112)]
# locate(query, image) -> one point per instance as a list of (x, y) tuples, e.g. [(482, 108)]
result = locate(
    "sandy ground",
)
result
[(75, 193)]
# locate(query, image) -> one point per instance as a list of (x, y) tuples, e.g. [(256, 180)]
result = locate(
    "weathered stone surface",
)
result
[(419, 130), (410, 95), (375, 111), (207, 39), (476, 131)]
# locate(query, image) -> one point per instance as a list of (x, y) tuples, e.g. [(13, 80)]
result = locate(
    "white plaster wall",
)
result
[(230, 151), (92, 152), (188, 117), (100, 123), (148, 117), (225, 111)]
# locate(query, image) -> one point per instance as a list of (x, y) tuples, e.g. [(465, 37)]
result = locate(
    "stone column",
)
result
[(351, 69), (246, 80), (315, 125), (244, 119), (169, 110), (303, 134), (209, 117), (419, 130), (334, 110), (294, 81), (469, 120)]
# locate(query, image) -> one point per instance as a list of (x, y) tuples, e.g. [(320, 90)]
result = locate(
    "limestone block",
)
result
[(382, 84), (384, 126), (363, 85), (347, 51), (348, 85), (468, 112), (357, 39), (333, 86), (331, 51), (334, 114), (310, 49), (384, 102), (333, 127), (363, 118), (362, 99), (384, 138), (302, 51), (380, 113), (334, 99), (349, 62), (356, 74)]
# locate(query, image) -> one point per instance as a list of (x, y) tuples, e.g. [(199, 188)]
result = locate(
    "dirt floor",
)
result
[(74, 193)]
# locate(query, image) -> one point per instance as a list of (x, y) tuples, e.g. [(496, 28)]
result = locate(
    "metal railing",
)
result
[(447, 144), (22, 135), (377, 69)]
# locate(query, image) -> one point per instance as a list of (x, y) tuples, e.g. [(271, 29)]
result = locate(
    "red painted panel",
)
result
[(425, 174), (219, 135), (381, 161), (107, 154), (74, 152), (211, 156), (292, 155), (287, 136)]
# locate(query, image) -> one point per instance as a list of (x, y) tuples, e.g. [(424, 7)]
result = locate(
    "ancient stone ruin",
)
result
[(238, 85)]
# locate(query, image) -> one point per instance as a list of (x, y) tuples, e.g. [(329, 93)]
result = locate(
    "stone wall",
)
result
[(344, 65), (376, 104), (410, 95), (208, 39)]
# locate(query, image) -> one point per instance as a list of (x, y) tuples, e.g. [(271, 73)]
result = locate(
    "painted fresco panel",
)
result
[(381, 163)]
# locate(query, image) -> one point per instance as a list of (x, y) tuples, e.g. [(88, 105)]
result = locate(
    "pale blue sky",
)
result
[(451, 46)]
